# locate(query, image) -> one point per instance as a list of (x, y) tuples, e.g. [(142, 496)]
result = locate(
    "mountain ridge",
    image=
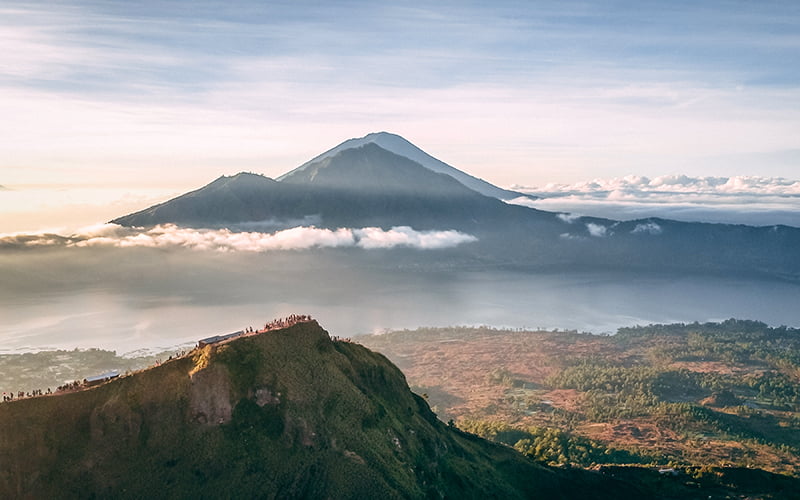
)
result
[(368, 186), (285, 413), (357, 187)]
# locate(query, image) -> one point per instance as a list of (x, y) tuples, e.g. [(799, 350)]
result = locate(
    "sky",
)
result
[(110, 106)]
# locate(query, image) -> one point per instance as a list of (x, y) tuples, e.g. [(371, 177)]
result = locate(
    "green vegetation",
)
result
[(551, 446), (686, 395), (292, 413), (285, 414), (733, 342)]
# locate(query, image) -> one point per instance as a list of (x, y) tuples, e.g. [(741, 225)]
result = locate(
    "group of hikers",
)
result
[(276, 324), (177, 355), (286, 322), (9, 396), (70, 386)]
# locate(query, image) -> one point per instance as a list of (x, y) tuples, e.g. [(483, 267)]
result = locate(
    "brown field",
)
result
[(502, 376)]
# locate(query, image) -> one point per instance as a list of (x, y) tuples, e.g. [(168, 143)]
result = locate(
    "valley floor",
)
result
[(716, 394)]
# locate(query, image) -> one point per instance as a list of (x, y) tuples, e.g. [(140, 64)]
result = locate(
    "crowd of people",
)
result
[(70, 386), (280, 323), (10, 396)]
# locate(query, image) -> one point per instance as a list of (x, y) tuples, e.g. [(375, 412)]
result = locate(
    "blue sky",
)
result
[(173, 94)]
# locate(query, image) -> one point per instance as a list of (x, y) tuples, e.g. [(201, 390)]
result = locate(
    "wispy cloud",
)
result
[(648, 227), (106, 87), (749, 200), (568, 218), (597, 230), (641, 186), (373, 237), (224, 240)]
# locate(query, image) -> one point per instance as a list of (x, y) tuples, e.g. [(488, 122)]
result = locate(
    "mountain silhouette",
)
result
[(356, 187), (365, 185), (400, 146)]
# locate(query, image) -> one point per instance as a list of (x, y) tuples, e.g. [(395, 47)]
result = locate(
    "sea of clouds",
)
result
[(739, 200), (634, 185), (225, 240)]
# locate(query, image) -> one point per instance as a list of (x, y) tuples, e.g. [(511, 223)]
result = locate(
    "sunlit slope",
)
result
[(285, 414)]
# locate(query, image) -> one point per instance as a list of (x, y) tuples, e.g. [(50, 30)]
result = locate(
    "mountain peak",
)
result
[(371, 169), (362, 186), (241, 178), (401, 146), (383, 133), (227, 199)]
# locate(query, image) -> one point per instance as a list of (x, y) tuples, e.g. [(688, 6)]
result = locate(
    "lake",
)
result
[(143, 299)]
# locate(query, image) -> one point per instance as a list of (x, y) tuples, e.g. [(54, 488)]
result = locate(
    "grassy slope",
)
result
[(285, 414)]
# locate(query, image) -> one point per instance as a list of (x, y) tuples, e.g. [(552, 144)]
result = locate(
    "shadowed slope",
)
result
[(239, 198), (359, 187), (400, 146)]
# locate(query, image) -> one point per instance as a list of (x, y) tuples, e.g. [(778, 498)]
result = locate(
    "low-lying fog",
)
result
[(127, 299)]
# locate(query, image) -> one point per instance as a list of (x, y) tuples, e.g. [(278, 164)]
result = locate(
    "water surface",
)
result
[(128, 300)]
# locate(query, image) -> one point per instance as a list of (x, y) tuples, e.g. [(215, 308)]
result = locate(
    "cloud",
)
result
[(224, 240), (752, 200), (374, 237), (597, 230), (116, 88), (637, 186), (523, 201), (650, 228), (568, 218)]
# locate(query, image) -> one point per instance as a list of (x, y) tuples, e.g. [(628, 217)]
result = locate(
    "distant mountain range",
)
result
[(361, 183)]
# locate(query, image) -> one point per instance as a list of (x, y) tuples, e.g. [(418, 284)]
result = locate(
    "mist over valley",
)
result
[(370, 239)]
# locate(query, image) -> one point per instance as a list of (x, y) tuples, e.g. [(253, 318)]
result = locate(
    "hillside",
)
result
[(289, 413)]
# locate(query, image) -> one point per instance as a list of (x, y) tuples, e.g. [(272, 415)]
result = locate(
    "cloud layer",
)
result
[(124, 91), (749, 200), (641, 186), (224, 240)]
